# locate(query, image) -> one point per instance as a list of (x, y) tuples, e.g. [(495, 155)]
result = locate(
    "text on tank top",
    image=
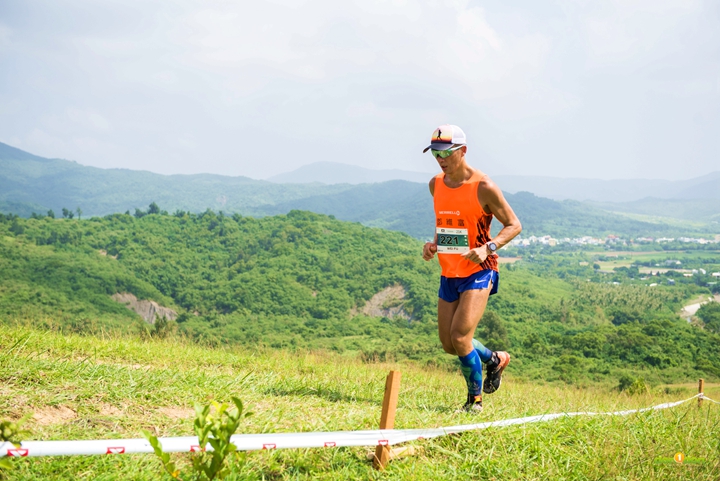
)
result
[(461, 224)]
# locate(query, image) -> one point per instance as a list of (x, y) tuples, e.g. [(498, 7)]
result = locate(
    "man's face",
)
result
[(451, 163)]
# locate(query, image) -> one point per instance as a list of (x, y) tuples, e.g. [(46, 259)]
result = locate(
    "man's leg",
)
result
[(446, 314), (446, 311), (456, 325), (465, 319)]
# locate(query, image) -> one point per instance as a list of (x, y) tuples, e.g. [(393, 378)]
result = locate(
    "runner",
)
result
[(465, 201)]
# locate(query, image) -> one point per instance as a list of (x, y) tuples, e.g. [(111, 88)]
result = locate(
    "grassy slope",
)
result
[(73, 288), (114, 387)]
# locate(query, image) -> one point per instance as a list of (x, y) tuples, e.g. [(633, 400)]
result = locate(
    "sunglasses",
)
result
[(444, 154)]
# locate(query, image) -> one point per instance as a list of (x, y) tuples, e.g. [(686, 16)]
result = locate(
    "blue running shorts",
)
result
[(450, 288)]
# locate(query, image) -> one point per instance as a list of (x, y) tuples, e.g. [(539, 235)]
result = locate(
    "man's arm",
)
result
[(430, 248), (493, 202)]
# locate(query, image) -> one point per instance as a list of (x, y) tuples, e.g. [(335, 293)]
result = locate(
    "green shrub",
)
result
[(631, 385), (710, 315), (11, 432), (214, 425)]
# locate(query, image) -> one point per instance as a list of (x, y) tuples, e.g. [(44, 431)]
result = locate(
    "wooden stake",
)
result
[(701, 390), (387, 419)]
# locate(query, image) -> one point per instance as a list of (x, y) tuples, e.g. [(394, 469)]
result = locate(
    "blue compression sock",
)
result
[(471, 367), (484, 353)]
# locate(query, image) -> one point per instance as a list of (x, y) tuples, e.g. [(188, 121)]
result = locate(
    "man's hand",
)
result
[(477, 255), (429, 250)]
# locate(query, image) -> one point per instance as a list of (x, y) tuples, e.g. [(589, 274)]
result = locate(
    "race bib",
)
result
[(452, 241)]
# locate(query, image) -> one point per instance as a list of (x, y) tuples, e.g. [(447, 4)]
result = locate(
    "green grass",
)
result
[(113, 387)]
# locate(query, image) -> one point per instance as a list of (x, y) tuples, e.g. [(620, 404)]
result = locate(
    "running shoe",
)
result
[(473, 404), (494, 369)]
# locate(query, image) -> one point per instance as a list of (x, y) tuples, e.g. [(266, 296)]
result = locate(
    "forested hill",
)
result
[(29, 183), (305, 280)]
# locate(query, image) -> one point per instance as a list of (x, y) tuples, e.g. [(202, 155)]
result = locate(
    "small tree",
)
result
[(79, 212), (16, 227), (214, 427), (632, 385), (11, 432), (51, 214), (153, 208)]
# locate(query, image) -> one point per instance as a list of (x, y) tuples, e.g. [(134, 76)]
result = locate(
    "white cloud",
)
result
[(88, 119), (5, 34), (622, 30), (554, 88), (323, 41)]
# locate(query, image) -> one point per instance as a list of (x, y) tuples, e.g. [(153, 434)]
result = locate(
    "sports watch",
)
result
[(492, 247)]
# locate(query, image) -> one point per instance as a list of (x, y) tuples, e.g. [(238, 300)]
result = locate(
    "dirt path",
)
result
[(691, 309)]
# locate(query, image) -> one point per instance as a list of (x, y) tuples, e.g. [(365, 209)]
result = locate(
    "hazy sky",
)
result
[(604, 89)]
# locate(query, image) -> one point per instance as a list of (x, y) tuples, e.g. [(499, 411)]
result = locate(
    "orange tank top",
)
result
[(461, 224)]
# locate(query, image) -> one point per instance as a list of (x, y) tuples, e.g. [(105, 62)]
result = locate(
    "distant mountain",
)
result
[(623, 190), (394, 205), (705, 187), (700, 210), (407, 207), (695, 199), (337, 173), (29, 183), (557, 188), (9, 152)]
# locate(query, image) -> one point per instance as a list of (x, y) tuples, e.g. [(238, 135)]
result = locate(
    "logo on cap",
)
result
[(444, 135)]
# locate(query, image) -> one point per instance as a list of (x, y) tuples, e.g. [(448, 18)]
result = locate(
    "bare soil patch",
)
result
[(177, 413), (54, 415), (148, 310), (387, 303), (110, 410)]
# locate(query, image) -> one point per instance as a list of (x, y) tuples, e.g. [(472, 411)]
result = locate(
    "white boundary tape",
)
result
[(252, 442), (704, 397)]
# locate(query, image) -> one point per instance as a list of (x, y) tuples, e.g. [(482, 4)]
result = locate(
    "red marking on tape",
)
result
[(269, 446), (115, 450), (330, 444), (383, 442), (195, 448), (420, 437), (19, 452)]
